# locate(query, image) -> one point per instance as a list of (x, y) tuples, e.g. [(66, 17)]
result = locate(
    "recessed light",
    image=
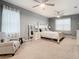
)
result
[(75, 7)]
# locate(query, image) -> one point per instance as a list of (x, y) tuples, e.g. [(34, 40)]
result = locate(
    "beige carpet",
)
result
[(47, 49)]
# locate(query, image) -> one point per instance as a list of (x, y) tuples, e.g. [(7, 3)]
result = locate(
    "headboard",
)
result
[(43, 27)]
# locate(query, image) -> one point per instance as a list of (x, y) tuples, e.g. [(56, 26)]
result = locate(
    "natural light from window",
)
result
[(10, 20), (63, 24)]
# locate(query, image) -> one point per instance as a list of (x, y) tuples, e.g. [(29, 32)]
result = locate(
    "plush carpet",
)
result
[(47, 49)]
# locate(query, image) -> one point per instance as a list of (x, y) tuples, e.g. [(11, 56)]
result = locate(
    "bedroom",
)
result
[(45, 19)]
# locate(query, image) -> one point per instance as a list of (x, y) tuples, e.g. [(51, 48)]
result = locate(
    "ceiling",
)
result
[(49, 11)]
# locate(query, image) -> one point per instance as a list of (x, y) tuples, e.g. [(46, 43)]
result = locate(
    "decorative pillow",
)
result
[(43, 29), (40, 30), (2, 40), (3, 37)]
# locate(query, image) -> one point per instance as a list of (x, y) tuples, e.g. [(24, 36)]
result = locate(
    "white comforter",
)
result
[(53, 35)]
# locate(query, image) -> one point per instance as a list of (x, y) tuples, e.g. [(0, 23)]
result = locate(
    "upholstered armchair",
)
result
[(7, 46)]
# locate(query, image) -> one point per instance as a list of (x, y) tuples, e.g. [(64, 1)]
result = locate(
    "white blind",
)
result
[(10, 20), (63, 24)]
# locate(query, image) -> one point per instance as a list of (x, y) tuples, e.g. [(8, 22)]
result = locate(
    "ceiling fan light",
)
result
[(42, 5), (58, 16)]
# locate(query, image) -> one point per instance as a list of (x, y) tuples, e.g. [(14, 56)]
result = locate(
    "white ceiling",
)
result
[(66, 5)]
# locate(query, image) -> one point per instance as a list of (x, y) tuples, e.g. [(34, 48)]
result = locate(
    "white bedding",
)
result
[(53, 35)]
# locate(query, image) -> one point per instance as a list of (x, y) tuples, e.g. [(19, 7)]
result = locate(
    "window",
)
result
[(10, 20), (63, 24)]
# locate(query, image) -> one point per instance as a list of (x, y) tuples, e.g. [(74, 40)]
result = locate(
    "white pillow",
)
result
[(3, 36)]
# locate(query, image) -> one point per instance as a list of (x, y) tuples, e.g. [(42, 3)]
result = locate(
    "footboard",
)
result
[(52, 35), (60, 35)]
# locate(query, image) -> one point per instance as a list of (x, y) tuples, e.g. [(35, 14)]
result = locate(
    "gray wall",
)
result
[(74, 24), (27, 17), (30, 18)]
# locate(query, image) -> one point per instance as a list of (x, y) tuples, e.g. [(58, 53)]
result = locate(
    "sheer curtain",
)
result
[(10, 20), (63, 24)]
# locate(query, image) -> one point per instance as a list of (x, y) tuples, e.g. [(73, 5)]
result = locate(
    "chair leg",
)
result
[(58, 41), (13, 54)]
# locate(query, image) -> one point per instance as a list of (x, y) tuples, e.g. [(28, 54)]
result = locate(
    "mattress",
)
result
[(51, 34)]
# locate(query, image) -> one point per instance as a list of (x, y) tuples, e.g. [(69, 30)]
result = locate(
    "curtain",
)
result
[(63, 24), (10, 20)]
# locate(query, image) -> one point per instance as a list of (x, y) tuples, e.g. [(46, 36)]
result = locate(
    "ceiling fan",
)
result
[(42, 3), (59, 13)]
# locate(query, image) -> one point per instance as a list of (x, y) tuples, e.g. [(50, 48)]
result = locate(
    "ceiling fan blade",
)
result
[(49, 4), (44, 1), (59, 12), (35, 6), (37, 1)]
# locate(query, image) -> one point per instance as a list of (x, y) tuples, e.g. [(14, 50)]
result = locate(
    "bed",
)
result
[(52, 35), (46, 33)]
